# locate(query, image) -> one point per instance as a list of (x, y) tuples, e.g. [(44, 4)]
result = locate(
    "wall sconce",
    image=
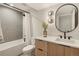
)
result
[(50, 19)]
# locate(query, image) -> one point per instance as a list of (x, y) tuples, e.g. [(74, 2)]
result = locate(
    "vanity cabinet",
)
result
[(70, 51), (55, 49), (40, 48), (59, 50), (44, 48), (51, 49)]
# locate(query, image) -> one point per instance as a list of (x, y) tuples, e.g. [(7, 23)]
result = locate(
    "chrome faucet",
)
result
[(69, 37), (64, 35)]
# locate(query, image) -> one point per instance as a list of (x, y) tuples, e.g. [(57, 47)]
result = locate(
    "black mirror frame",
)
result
[(76, 16)]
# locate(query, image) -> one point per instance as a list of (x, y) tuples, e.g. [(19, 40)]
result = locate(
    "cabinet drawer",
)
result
[(40, 52), (40, 48), (41, 44)]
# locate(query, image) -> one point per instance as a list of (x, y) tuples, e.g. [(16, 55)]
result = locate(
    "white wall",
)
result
[(52, 31), (36, 27), (51, 28)]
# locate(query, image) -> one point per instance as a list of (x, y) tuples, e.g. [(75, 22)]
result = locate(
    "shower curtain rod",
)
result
[(15, 8)]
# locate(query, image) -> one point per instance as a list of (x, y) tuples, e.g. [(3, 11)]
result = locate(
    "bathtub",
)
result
[(13, 48)]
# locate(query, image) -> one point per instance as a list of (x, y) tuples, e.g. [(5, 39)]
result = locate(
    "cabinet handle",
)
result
[(40, 49)]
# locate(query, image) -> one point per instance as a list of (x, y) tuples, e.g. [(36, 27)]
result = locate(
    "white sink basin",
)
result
[(65, 40)]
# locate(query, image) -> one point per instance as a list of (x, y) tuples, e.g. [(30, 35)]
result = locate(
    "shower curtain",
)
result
[(27, 28)]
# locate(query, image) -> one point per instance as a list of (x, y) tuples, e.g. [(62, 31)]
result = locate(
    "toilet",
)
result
[(27, 50)]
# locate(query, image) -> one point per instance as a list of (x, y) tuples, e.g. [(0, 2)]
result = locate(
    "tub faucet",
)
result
[(24, 38)]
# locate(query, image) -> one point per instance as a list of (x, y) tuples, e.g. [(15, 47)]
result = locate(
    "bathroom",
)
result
[(33, 29)]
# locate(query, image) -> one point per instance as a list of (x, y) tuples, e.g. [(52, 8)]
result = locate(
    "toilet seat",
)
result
[(29, 47)]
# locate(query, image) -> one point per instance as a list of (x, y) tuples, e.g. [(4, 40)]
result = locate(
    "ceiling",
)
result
[(40, 6)]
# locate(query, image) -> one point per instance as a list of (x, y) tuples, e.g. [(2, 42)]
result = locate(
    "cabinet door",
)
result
[(74, 52), (51, 49), (70, 51), (60, 50), (67, 51), (55, 49)]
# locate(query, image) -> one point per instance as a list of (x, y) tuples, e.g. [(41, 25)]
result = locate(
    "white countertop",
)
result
[(52, 39)]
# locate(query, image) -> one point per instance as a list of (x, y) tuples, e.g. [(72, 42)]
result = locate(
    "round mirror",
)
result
[(66, 18)]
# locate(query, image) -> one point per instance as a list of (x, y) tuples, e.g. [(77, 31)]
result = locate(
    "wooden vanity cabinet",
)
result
[(51, 51), (55, 49), (74, 52), (44, 48), (40, 48), (60, 50), (70, 51), (67, 51)]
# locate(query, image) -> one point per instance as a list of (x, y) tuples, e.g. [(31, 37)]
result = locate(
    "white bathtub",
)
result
[(12, 48)]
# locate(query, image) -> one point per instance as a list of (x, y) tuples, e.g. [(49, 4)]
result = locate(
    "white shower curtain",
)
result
[(27, 28)]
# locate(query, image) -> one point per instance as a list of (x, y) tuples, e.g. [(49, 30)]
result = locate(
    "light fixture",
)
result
[(50, 19)]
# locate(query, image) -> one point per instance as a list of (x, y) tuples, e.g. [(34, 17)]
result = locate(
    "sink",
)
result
[(65, 40)]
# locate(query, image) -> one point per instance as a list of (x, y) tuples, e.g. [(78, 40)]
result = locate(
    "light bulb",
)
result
[(50, 13), (50, 21)]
